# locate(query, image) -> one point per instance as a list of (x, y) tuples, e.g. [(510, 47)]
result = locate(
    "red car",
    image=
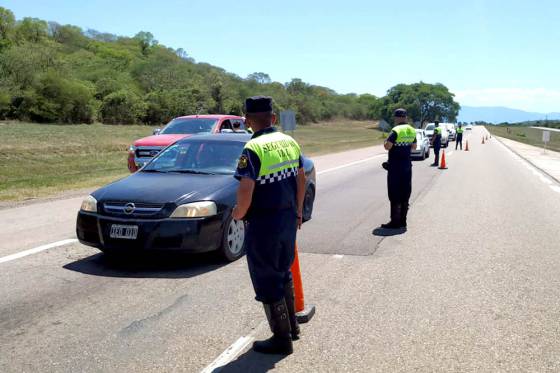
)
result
[(143, 150)]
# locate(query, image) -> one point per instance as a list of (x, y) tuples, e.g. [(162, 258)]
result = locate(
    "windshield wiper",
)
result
[(154, 170), (196, 172)]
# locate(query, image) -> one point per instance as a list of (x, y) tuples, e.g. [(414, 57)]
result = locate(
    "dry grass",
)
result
[(38, 160)]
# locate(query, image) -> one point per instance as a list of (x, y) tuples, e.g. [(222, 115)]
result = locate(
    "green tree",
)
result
[(424, 102), (31, 29), (122, 107), (7, 26)]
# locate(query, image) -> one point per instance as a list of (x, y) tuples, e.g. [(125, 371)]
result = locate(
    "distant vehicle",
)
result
[(451, 130), (422, 150), (182, 200), (143, 150), (468, 128), (444, 134)]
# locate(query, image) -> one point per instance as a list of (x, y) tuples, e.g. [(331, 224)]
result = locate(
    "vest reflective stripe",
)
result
[(406, 135), (279, 156)]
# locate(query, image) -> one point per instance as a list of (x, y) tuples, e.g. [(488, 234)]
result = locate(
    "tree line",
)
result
[(61, 73)]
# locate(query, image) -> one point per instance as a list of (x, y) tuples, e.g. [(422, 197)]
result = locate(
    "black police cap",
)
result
[(258, 104), (400, 113)]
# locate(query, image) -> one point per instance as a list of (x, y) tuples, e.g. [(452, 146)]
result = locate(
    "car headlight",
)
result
[(132, 149), (89, 204), (195, 210)]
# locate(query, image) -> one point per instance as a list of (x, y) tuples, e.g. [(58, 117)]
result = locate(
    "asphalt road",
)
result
[(473, 285)]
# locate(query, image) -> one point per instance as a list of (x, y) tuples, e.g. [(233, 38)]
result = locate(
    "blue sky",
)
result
[(489, 53)]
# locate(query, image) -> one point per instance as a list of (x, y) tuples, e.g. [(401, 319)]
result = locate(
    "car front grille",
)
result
[(132, 209), (147, 152)]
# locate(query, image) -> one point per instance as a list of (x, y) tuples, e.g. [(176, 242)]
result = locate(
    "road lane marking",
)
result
[(555, 188), (232, 351), (450, 153), (349, 164), (338, 256), (36, 250)]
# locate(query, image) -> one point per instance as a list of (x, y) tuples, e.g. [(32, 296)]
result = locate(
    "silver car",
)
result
[(422, 150)]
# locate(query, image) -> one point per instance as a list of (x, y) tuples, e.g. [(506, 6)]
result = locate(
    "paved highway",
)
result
[(473, 285)]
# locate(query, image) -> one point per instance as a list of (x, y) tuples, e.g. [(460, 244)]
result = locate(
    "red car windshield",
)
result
[(189, 126)]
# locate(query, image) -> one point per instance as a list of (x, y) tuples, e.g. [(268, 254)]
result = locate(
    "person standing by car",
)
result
[(270, 199), (436, 143), (459, 140), (399, 168)]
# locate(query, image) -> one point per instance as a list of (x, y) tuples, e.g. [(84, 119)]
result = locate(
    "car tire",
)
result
[(308, 203), (423, 157), (233, 240)]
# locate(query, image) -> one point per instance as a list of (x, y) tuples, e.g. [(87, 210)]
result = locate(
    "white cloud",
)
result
[(542, 100)]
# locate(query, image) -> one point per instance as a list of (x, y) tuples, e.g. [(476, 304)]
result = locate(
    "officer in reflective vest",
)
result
[(459, 140), (436, 142), (399, 169), (270, 199)]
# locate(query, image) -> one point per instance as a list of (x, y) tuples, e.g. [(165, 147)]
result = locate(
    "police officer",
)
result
[(399, 168), (459, 140), (270, 199), (436, 142)]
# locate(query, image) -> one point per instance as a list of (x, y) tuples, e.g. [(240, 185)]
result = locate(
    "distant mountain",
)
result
[(500, 114)]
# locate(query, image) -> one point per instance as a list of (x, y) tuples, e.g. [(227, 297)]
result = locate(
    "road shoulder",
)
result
[(547, 162)]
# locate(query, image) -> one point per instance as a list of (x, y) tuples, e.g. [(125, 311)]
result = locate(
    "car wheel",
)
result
[(233, 242), (308, 203), (423, 156)]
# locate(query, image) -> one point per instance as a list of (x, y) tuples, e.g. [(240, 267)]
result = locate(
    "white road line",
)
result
[(231, 352), (338, 256), (555, 188), (36, 250), (450, 153), (349, 164)]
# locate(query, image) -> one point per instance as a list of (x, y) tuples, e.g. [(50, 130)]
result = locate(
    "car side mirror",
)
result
[(156, 131)]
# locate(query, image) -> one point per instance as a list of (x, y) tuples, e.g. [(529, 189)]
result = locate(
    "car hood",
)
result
[(159, 140), (165, 188)]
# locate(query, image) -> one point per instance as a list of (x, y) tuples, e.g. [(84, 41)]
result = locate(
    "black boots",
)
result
[(290, 303), (395, 222), (281, 341), (399, 211), (404, 212)]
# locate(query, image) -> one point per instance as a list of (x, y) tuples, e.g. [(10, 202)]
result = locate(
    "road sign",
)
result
[(288, 120), (546, 136)]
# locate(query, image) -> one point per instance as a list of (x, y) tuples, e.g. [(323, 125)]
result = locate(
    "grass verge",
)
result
[(527, 135), (39, 160)]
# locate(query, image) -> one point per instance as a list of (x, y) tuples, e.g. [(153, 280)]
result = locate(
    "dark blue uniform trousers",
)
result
[(437, 148), (399, 182), (270, 245)]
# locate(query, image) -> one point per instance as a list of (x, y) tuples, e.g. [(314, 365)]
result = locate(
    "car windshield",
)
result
[(429, 127), (198, 157), (189, 126)]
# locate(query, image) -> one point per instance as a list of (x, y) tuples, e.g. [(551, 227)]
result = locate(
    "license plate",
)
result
[(127, 232)]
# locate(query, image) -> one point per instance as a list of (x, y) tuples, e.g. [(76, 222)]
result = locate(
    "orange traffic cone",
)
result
[(304, 314), (467, 146), (442, 165)]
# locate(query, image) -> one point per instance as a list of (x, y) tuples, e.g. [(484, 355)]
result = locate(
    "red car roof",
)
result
[(210, 116)]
